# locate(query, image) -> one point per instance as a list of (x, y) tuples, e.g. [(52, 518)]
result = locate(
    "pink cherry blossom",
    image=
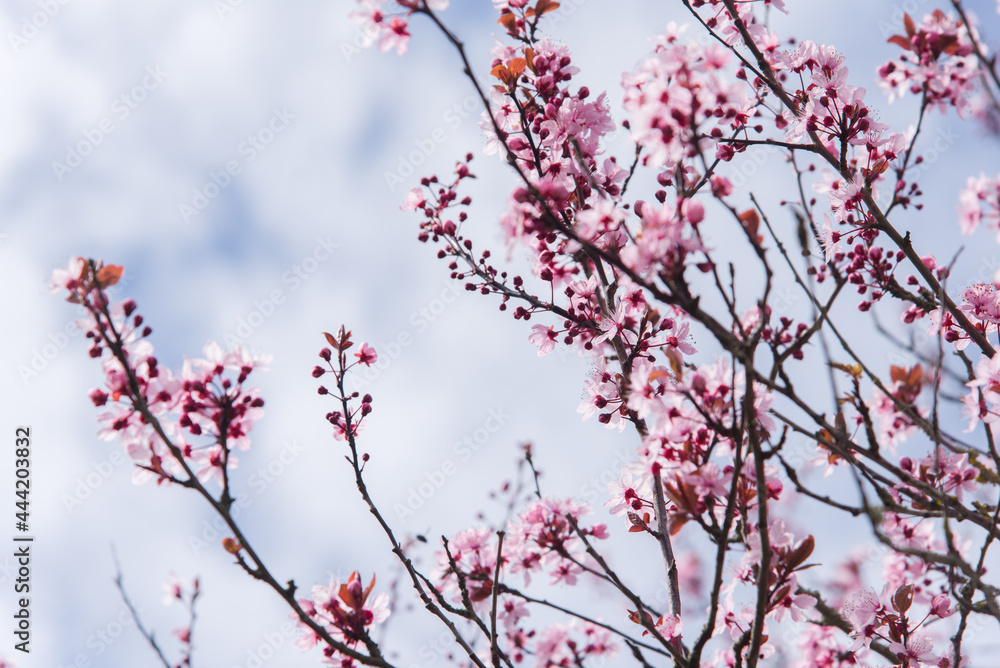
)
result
[(366, 355)]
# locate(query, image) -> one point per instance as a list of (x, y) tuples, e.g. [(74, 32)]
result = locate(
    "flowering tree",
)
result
[(731, 430)]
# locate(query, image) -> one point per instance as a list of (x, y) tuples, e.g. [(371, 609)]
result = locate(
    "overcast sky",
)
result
[(120, 121)]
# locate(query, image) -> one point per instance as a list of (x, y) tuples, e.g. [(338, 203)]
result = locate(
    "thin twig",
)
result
[(148, 635), (494, 649), (663, 537)]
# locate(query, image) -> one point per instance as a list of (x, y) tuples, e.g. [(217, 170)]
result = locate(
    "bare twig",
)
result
[(148, 635)]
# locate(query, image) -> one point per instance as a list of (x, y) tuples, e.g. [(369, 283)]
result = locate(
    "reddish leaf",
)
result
[(638, 523), (342, 341), (841, 422), (949, 44), (900, 41), (911, 29), (542, 7), (368, 589), (801, 552), (902, 599), (879, 167), (656, 374), (910, 380), (636, 617), (751, 222), (508, 21), (546, 6), (675, 523), (109, 275), (676, 362), (504, 74)]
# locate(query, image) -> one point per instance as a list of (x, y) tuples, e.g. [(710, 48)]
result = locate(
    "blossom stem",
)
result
[(349, 430), (763, 574), (663, 537), (116, 345), (148, 635), (494, 649), (644, 617)]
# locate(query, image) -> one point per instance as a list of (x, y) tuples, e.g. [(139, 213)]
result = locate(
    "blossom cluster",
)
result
[(979, 202), (541, 539), (347, 611), (181, 427), (686, 104), (174, 425), (937, 62), (547, 537), (386, 22), (632, 283), (885, 616)]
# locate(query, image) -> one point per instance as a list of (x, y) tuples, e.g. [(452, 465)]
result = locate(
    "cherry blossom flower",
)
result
[(366, 355), (943, 323), (414, 200), (830, 240), (623, 497), (795, 604), (979, 202), (916, 651), (172, 587), (388, 27), (669, 626), (981, 302), (67, 280), (544, 337), (572, 644), (512, 611), (861, 610)]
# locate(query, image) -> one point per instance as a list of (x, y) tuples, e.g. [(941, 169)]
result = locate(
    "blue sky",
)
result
[(348, 116)]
